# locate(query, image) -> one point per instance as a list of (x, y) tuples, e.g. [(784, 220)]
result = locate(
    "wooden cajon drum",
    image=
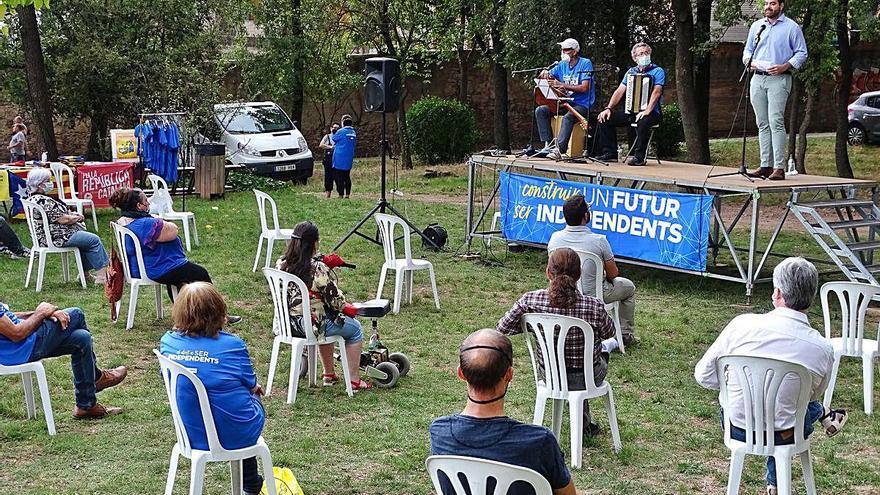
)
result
[(577, 140)]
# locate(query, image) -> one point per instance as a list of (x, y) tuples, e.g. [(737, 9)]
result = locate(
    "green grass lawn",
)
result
[(377, 441)]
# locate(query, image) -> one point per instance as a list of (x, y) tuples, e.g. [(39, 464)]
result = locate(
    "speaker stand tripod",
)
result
[(382, 205)]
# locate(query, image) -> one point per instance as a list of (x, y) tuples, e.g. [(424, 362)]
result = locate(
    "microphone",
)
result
[(758, 36), (554, 64)]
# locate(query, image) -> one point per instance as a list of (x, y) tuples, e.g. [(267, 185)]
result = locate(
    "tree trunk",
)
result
[(296, 81), (97, 130), (620, 33), (794, 113), (702, 66), (463, 59), (841, 153), (37, 80), (402, 135), (801, 157), (695, 134), (500, 124)]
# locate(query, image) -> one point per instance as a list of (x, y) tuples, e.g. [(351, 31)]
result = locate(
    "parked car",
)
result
[(260, 136), (864, 119)]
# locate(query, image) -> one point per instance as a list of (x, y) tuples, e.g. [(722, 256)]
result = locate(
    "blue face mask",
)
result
[(643, 60)]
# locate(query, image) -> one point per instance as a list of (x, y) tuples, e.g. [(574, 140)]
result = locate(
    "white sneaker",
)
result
[(771, 490), (610, 345)]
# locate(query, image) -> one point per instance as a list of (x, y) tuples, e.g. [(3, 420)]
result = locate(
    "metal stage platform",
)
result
[(852, 200)]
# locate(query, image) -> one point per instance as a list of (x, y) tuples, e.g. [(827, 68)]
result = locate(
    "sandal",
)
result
[(833, 421), (329, 379), (361, 385)]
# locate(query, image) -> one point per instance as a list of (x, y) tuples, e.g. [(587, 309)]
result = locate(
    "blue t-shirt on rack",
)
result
[(658, 78), (225, 369), (582, 71), (344, 140), (12, 353), (159, 257)]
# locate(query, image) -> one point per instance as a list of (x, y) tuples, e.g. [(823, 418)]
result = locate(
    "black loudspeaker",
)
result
[(382, 86)]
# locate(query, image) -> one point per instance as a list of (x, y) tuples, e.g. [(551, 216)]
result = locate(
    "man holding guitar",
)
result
[(571, 77)]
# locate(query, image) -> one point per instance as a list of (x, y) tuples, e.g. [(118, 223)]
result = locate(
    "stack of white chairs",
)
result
[(58, 170), (270, 235), (35, 213), (613, 308), (403, 267), (479, 472), (26, 371), (135, 283), (185, 217)]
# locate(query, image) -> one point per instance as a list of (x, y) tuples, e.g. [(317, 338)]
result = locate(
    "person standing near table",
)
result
[(344, 142), (18, 144), (775, 47), (327, 145)]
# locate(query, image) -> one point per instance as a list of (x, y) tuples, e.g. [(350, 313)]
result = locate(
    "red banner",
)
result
[(97, 182)]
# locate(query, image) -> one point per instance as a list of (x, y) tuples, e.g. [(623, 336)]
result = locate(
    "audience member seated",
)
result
[(50, 332), (576, 235), (161, 248), (222, 363), (483, 430), (10, 245), (564, 298), (66, 227), (331, 315), (783, 334)]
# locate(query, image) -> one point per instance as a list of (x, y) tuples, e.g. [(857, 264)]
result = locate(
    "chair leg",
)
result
[(259, 250), (132, 305), (832, 381), (737, 460), (172, 470), (197, 475), (269, 245), (159, 313), (618, 332), (186, 234), (612, 420), (868, 382), (313, 366), (65, 267), (27, 279), (268, 471), (783, 474), (557, 408), (409, 286), (346, 371), (195, 230), (273, 365), (434, 287), (381, 281), (45, 400), (807, 465), (576, 424), (540, 406), (295, 363), (41, 269), (28, 384), (94, 216), (398, 282), (235, 476), (79, 268)]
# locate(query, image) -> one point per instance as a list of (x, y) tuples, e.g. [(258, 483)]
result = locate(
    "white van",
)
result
[(260, 136)]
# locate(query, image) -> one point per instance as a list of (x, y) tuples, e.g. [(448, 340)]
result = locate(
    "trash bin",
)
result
[(210, 169)]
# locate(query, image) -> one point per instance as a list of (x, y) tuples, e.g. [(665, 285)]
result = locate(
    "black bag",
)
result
[(438, 236)]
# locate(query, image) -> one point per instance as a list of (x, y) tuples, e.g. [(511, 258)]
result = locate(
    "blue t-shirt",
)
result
[(12, 353), (159, 257), (344, 140), (225, 369), (582, 71), (658, 76), (504, 440)]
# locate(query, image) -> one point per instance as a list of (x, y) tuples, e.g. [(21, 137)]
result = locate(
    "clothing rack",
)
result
[(185, 153)]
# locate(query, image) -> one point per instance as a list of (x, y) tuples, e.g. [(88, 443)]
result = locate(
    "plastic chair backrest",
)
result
[(478, 472), (387, 225), (760, 379), (551, 348), (587, 258), (280, 283), (171, 373), (58, 170), (854, 299), (157, 182), (262, 199), (34, 213), (121, 233)]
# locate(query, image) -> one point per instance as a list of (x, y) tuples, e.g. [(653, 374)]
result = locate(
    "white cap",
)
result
[(570, 43)]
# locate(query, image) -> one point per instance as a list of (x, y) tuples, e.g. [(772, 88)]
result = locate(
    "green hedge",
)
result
[(670, 134), (441, 130)]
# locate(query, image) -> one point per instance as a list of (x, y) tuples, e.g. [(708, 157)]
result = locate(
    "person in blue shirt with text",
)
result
[(609, 119), (344, 142), (573, 75), (775, 47), (222, 363)]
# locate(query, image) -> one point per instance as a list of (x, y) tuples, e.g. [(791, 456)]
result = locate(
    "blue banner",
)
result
[(660, 227)]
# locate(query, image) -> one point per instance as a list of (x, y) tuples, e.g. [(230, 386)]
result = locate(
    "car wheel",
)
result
[(856, 135)]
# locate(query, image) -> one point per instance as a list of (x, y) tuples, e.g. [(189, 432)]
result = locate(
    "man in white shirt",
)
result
[(576, 235), (783, 334)]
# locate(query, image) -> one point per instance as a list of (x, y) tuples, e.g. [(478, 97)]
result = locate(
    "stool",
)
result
[(577, 139), (647, 148)]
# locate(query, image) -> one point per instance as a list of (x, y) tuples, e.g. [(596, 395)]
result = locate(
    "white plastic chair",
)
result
[(58, 170), (554, 382), (403, 267), (280, 283), (760, 379), (613, 308), (854, 299), (185, 217), (121, 233), (35, 213), (478, 472), (26, 370), (171, 373), (270, 235)]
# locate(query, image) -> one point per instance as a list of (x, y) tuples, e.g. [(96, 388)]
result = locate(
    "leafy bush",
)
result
[(441, 130), (670, 134), (246, 181)]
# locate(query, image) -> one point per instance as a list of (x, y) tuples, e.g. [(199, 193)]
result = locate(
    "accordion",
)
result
[(638, 92)]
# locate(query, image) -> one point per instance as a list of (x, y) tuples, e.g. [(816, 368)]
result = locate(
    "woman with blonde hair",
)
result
[(222, 363), (563, 297)]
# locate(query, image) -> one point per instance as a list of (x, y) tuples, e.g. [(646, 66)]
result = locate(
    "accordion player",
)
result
[(638, 92)]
